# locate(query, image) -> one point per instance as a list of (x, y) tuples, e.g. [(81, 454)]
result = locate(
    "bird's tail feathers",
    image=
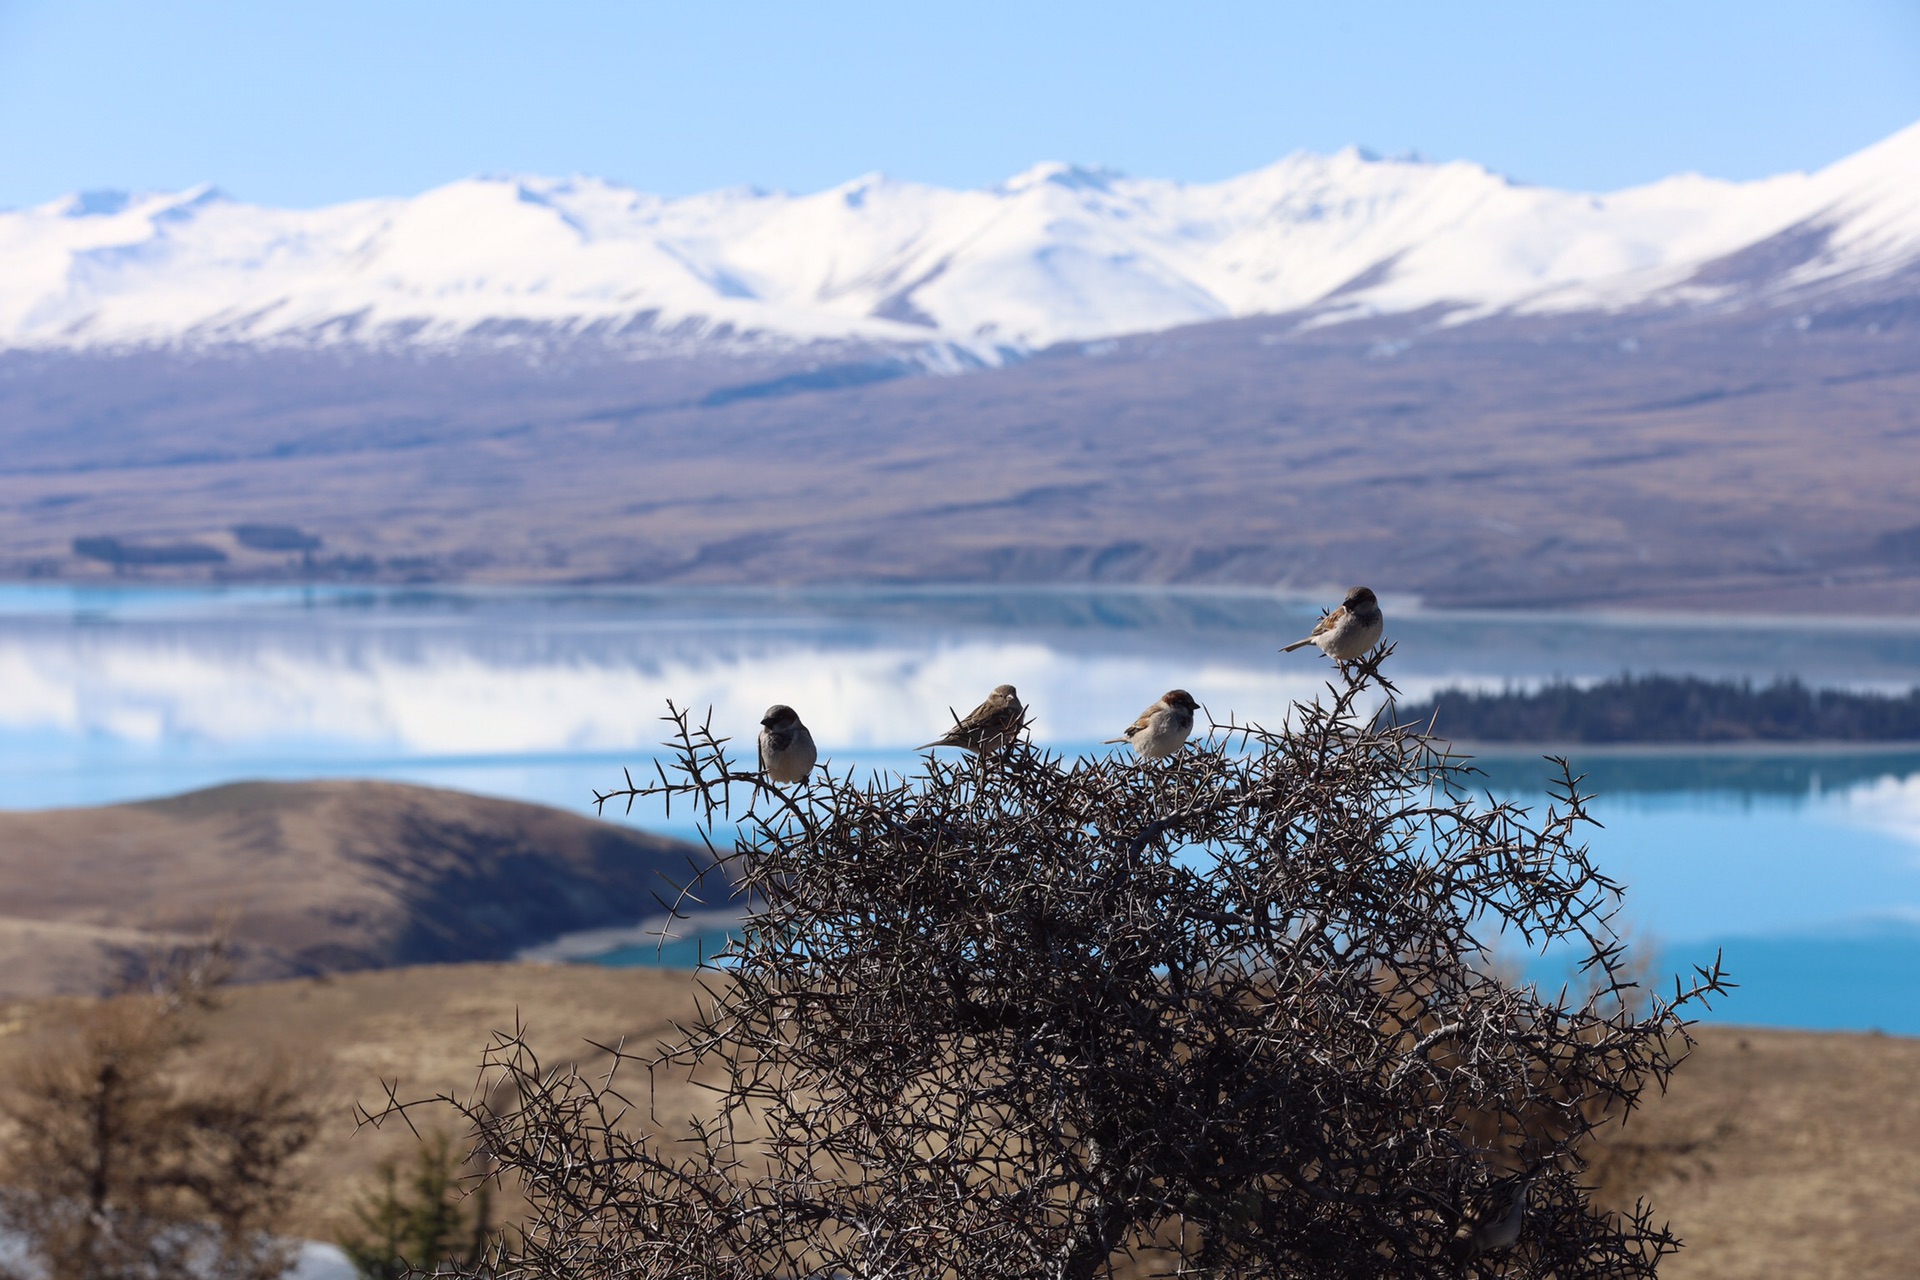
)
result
[(1298, 644)]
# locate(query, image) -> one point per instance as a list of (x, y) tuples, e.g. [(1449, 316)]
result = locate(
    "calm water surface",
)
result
[(1804, 866)]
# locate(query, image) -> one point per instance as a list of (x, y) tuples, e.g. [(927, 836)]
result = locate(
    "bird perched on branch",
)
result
[(1350, 630), (1162, 728), (787, 752), (988, 727), (1500, 1227)]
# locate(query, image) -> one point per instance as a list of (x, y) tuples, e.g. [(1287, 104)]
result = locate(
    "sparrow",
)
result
[(988, 727), (1349, 631), (1495, 1233), (787, 753), (1162, 728)]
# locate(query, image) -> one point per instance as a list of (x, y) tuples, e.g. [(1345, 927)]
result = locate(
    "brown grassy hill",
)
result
[(311, 877), (1778, 1155)]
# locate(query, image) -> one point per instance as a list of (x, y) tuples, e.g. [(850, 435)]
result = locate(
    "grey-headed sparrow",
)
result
[(1162, 728), (787, 752), (1349, 631)]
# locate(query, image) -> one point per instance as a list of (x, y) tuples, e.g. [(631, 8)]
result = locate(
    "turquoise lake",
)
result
[(1803, 866)]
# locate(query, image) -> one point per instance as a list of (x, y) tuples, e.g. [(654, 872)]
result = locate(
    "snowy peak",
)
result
[(1071, 177), (151, 204), (1058, 252), (93, 204)]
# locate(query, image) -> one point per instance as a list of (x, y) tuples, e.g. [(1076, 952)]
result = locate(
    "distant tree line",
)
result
[(128, 555), (1655, 708), (121, 554)]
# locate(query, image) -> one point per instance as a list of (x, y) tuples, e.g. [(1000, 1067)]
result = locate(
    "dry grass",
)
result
[(424, 1027), (1777, 1155), (1786, 1154)]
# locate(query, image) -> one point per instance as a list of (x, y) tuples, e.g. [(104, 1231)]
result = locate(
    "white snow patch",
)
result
[(1057, 253)]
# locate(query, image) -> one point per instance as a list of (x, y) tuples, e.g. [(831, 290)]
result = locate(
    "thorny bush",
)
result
[(1232, 1014)]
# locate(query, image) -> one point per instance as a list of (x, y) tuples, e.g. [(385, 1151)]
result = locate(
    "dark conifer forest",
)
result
[(1656, 708)]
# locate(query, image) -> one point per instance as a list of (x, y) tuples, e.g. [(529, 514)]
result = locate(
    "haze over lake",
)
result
[(1803, 863)]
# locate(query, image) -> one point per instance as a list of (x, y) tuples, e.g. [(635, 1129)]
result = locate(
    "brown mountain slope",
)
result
[(313, 877), (1756, 460)]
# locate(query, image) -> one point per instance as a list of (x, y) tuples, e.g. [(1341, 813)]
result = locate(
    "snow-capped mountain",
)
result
[(1056, 253)]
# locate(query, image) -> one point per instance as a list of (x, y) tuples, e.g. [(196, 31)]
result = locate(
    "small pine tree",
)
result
[(429, 1226), (122, 1162)]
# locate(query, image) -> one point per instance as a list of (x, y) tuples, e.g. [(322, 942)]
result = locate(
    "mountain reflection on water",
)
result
[(1786, 856)]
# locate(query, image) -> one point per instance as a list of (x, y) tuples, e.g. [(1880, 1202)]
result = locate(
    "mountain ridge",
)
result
[(1058, 253)]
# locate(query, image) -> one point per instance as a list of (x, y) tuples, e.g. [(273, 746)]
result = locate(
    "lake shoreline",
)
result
[(1772, 749), (1405, 605)]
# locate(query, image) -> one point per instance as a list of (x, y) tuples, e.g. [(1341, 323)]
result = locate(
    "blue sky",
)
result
[(304, 102)]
